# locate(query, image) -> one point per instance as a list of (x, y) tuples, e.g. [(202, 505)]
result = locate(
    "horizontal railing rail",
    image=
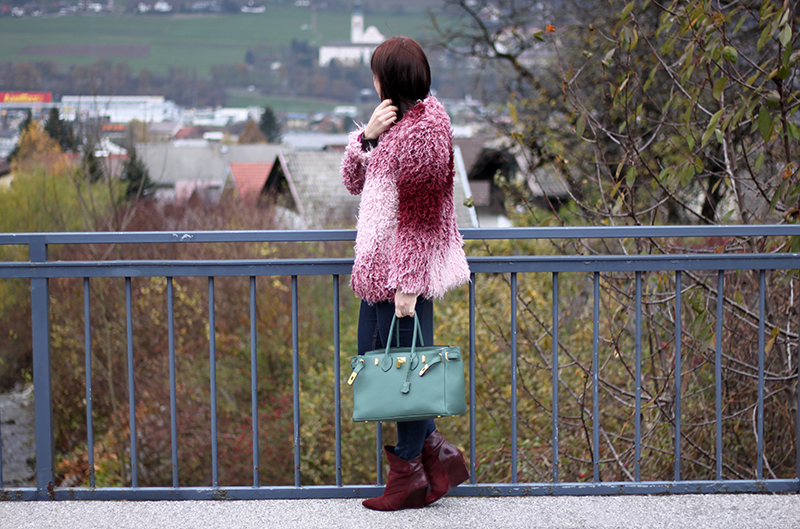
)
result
[(588, 232), (39, 270)]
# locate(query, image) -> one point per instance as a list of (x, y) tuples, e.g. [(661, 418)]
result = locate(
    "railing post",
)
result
[(131, 384), (596, 378), (337, 381), (212, 362), (718, 368), (762, 316), (42, 384), (296, 380), (514, 446), (173, 391), (637, 425), (472, 423), (254, 380), (87, 332), (678, 368), (555, 377)]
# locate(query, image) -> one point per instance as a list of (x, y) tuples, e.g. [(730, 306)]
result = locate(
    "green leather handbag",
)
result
[(407, 384)]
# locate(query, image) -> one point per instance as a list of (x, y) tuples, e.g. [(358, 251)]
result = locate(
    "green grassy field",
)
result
[(193, 41), (241, 98)]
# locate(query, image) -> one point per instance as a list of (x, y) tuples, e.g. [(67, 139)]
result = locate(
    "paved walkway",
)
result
[(743, 511)]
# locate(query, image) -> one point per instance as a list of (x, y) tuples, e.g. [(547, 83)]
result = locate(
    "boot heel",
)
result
[(415, 500), (457, 471)]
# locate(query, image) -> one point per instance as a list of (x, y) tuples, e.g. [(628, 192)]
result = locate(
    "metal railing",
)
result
[(39, 270)]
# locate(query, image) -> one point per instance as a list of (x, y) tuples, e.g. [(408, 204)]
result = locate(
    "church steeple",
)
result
[(356, 23), (360, 35)]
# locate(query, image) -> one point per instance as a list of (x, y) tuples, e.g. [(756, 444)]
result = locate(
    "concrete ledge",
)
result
[(740, 511)]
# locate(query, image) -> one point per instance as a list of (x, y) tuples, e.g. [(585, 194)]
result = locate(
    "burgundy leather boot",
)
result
[(437, 475), (406, 485), (444, 464)]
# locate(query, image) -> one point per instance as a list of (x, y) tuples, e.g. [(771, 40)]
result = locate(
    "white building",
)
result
[(359, 49), (120, 109)]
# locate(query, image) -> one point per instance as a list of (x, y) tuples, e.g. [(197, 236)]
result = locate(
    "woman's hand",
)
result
[(404, 304), (382, 118)]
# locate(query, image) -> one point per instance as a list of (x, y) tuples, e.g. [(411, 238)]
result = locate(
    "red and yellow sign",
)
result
[(26, 97)]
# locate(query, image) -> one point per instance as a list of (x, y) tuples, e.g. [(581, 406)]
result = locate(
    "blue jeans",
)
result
[(373, 332)]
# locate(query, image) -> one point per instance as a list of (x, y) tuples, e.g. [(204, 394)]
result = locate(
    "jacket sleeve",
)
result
[(424, 182), (354, 164)]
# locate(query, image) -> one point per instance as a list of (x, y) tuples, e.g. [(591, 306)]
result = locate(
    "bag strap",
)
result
[(386, 361)]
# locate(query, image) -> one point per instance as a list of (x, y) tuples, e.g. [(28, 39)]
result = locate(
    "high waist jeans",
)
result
[(373, 333)]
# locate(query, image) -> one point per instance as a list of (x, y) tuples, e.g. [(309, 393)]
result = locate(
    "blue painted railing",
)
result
[(38, 270)]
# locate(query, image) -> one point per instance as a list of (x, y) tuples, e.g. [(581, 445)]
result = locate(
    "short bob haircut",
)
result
[(403, 73)]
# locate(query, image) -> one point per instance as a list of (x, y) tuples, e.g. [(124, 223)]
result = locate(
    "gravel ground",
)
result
[(18, 439), (745, 511)]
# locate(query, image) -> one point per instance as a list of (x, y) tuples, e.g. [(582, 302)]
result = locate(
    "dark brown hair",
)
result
[(402, 70)]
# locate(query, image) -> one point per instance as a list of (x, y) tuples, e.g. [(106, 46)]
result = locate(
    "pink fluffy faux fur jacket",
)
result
[(407, 232)]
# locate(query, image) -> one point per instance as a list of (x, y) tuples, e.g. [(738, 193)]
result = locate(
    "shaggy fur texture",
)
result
[(407, 231)]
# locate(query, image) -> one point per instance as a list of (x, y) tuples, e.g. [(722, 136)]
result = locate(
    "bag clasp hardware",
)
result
[(400, 360), (427, 366), (354, 374)]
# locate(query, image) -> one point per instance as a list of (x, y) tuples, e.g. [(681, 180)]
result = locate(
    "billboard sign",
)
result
[(26, 97)]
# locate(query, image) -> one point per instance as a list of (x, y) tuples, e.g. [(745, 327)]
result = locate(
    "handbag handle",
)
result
[(386, 361)]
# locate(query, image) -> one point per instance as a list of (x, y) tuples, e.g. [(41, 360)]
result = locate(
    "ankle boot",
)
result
[(437, 475), (444, 464), (406, 485)]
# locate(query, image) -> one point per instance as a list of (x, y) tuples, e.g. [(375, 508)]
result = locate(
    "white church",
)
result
[(359, 49)]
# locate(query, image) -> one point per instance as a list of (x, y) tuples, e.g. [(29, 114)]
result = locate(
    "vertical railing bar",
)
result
[(131, 385), (337, 386), (514, 475), (472, 423), (678, 375), (797, 368), (555, 377), (296, 381), (254, 380), (379, 451), (42, 378), (1, 452), (596, 378), (87, 335), (718, 368), (760, 424), (173, 391), (212, 361), (637, 449)]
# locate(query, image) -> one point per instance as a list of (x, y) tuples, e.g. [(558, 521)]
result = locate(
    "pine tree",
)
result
[(60, 130), (269, 126), (137, 176), (92, 165)]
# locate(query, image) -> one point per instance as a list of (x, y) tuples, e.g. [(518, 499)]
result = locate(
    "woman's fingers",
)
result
[(404, 304), (382, 118)]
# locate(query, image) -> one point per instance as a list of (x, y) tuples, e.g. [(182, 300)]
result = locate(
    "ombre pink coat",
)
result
[(407, 232)]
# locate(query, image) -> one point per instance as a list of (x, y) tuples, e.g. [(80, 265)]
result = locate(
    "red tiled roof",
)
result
[(187, 133), (250, 179)]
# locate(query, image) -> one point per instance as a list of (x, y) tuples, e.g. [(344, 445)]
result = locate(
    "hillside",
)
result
[(197, 42)]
